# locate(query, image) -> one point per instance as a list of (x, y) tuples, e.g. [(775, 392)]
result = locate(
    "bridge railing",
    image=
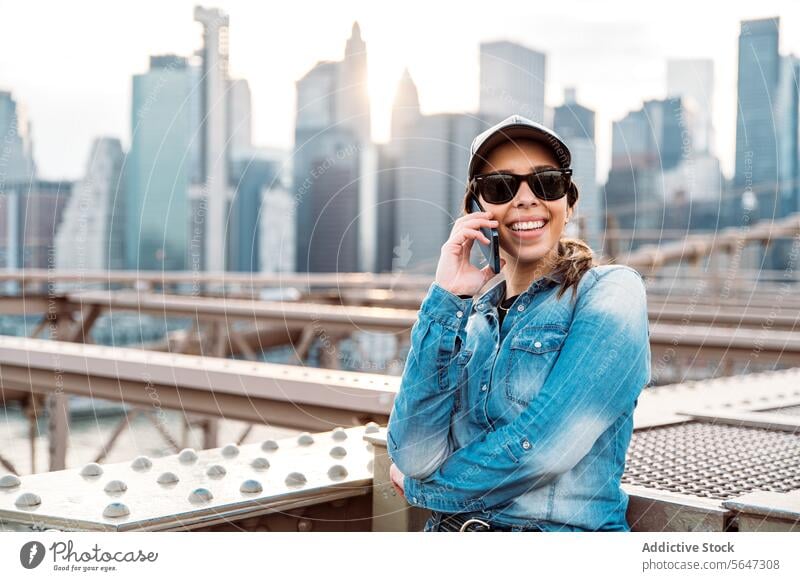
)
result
[(718, 455)]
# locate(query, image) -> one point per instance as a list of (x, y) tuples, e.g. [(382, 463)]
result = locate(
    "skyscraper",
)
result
[(16, 149), (576, 125), (694, 188), (30, 215), (91, 233), (318, 138), (276, 233), (693, 80), (512, 81), (756, 133), (653, 136), (160, 165), (250, 176), (390, 257), (332, 148), (787, 122), (352, 98), (214, 134), (647, 153), (240, 122), (431, 182), (405, 108)]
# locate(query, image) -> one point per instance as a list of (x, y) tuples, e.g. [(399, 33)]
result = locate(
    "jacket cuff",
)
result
[(446, 308), (423, 495)]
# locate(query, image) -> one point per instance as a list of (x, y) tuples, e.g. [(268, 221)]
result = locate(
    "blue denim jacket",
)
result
[(528, 423)]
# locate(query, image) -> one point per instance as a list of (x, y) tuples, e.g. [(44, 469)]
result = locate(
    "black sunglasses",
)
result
[(499, 188)]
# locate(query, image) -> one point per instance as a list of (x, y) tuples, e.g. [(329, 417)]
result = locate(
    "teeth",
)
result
[(535, 225)]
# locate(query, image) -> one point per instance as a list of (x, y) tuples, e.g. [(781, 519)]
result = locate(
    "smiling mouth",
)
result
[(528, 226)]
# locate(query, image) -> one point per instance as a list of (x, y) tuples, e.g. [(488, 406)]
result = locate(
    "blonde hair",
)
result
[(575, 257)]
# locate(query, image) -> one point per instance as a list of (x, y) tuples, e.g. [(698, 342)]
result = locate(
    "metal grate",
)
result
[(793, 410), (713, 460)]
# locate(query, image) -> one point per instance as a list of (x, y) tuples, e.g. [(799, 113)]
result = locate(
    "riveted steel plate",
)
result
[(793, 410), (210, 486)]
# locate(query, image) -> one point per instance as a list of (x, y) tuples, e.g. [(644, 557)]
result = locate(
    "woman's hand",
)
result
[(455, 273), (397, 479)]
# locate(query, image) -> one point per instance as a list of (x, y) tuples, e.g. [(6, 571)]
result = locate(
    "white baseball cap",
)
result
[(516, 127)]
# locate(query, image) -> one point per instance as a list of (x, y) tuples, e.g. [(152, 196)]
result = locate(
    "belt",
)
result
[(465, 523)]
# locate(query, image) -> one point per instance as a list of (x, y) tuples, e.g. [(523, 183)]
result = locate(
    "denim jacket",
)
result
[(528, 423)]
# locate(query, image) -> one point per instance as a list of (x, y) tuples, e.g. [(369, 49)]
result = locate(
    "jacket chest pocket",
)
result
[(533, 351), (460, 378)]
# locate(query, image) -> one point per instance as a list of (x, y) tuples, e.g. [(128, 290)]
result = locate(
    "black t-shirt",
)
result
[(506, 304)]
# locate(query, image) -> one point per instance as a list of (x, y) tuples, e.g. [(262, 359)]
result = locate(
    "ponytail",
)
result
[(575, 258)]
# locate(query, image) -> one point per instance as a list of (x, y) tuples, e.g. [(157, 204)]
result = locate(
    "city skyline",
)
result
[(60, 147)]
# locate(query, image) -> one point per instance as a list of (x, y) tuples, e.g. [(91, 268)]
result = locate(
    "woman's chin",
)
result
[(525, 258)]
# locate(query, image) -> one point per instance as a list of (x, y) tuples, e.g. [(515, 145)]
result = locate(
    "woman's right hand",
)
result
[(455, 272)]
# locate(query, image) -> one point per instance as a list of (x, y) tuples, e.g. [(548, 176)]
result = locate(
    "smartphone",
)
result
[(492, 250)]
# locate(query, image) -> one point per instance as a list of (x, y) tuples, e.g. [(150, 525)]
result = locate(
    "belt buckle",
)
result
[(472, 521)]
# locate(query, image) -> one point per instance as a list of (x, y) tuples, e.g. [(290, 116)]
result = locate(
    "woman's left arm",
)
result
[(599, 374)]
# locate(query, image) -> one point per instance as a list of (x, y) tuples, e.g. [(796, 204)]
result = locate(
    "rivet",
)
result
[(304, 526), (167, 478), (230, 451), (339, 434), (115, 487), (116, 510), (251, 486), (92, 469), (305, 439), (28, 500), (141, 463), (337, 472), (371, 427), (260, 463), (216, 471), (338, 452), (10, 481), (199, 495), (295, 479), (269, 445), (187, 456)]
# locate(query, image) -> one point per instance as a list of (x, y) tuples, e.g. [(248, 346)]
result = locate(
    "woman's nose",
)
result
[(525, 195)]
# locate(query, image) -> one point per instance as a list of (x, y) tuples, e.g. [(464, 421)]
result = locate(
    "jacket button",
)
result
[(537, 344), (459, 314), (521, 308), (526, 444), (484, 387)]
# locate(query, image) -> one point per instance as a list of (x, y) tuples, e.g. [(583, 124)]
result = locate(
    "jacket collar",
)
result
[(494, 293)]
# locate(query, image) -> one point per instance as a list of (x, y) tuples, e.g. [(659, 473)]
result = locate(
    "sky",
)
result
[(71, 64)]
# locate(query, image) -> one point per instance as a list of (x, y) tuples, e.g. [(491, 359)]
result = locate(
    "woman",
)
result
[(516, 404)]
